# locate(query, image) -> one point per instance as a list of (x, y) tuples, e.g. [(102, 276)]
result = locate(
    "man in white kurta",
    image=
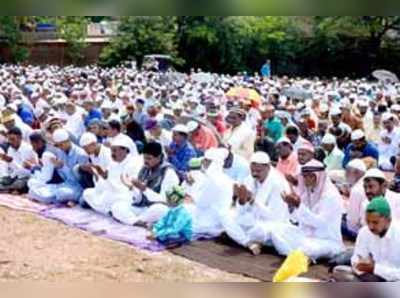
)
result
[(99, 160), (18, 153), (240, 137), (148, 198), (375, 257), (213, 198), (317, 210), (110, 189), (376, 251), (264, 205)]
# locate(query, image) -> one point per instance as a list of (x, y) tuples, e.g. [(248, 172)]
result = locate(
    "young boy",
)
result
[(175, 228)]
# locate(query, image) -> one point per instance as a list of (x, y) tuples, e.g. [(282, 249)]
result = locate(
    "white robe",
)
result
[(318, 233), (128, 214), (24, 153), (111, 190), (213, 201), (252, 222)]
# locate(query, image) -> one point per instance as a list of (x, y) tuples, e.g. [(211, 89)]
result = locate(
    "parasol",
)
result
[(297, 92), (202, 77), (244, 94), (385, 76)]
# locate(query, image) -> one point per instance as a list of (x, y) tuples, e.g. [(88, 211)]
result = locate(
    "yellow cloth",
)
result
[(295, 264)]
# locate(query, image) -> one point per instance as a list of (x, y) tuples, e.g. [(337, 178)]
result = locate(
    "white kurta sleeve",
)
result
[(327, 213), (361, 247), (170, 180), (387, 272), (46, 172)]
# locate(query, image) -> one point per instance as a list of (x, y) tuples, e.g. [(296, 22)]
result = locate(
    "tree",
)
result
[(74, 31), (140, 36), (10, 29)]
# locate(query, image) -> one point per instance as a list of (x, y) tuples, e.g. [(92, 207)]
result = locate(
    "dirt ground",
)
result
[(32, 248)]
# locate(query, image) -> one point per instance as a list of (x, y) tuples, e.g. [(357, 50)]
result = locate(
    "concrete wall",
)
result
[(54, 53)]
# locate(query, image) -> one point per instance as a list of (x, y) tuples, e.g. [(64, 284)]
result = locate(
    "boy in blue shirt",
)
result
[(175, 228)]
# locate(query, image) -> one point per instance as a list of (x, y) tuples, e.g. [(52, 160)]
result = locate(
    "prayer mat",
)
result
[(21, 203), (104, 226), (225, 255)]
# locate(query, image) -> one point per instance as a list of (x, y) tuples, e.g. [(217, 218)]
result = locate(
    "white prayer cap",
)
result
[(87, 138), (180, 128), (375, 173), (324, 108), (192, 126), (284, 140), (357, 135), (335, 111), (260, 158), (121, 142), (395, 108), (215, 154), (357, 164), (387, 116), (60, 135), (328, 139)]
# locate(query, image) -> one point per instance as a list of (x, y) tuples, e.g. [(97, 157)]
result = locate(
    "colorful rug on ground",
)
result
[(221, 254), (21, 203), (103, 226)]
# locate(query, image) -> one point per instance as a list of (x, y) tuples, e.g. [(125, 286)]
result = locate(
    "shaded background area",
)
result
[(328, 46)]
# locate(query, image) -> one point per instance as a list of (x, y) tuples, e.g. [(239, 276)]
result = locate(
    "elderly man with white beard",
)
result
[(259, 204)]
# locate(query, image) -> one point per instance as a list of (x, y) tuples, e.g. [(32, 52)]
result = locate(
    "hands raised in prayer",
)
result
[(292, 199), (30, 163), (57, 162), (5, 157), (291, 179), (243, 194), (132, 182), (365, 265)]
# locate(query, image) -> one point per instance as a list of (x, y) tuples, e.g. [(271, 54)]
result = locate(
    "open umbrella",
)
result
[(385, 75), (202, 77), (297, 92), (244, 94)]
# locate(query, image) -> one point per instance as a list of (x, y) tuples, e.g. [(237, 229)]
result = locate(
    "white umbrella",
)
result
[(385, 75), (202, 77)]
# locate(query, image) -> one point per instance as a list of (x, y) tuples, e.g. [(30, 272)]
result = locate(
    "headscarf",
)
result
[(324, 185)]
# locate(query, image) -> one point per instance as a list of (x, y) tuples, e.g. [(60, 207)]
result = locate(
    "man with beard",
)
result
[(154, 180), (376, 185), (239, 137), (259, 204), (375, 257), (354, 191), (109, 188), (66, 161)]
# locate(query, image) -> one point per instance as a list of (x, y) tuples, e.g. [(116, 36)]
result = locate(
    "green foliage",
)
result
[(74, 31), (9, 27), (140, 36)]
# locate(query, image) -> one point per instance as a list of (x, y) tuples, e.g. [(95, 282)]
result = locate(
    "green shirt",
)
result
[(274, 128)]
